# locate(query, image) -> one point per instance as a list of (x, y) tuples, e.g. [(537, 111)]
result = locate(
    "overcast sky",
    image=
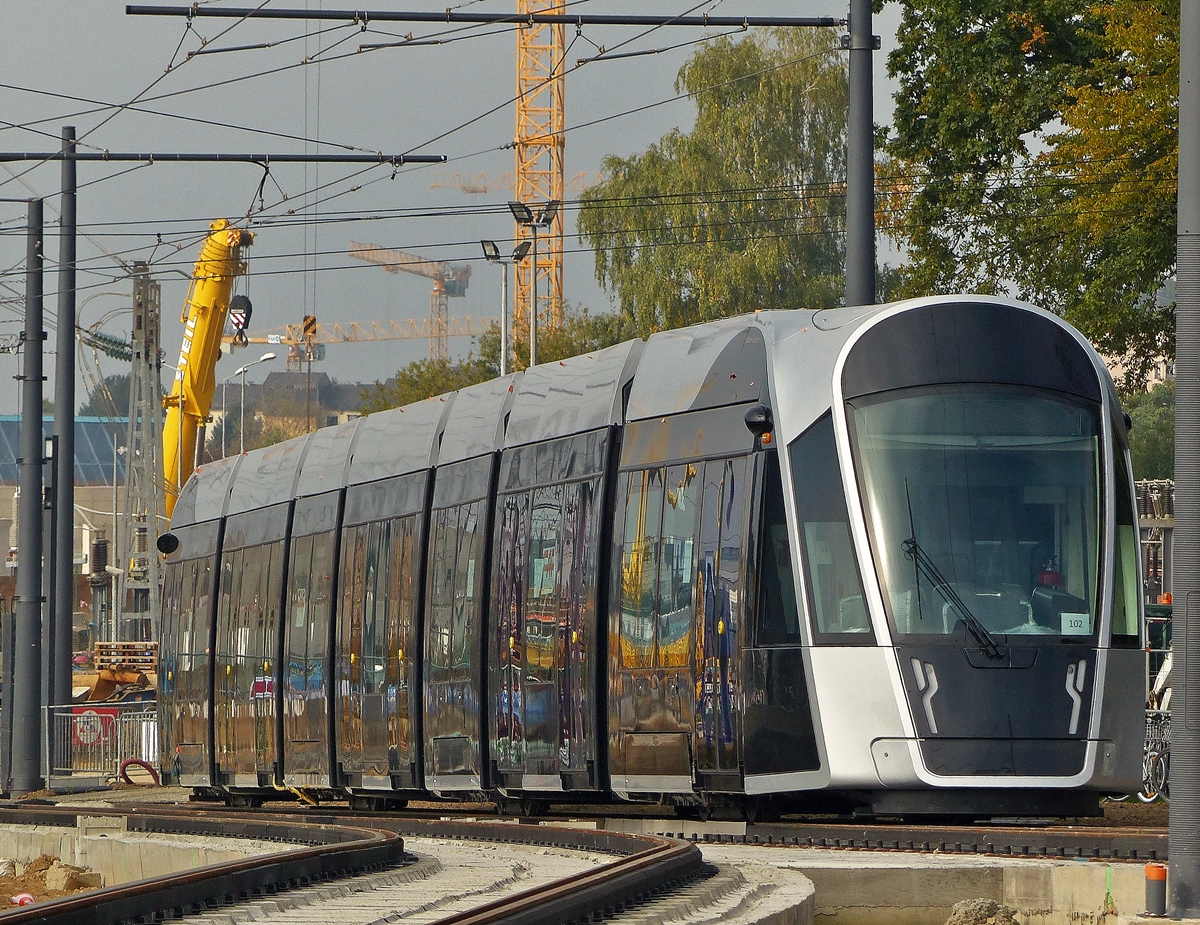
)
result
[(71, 62)]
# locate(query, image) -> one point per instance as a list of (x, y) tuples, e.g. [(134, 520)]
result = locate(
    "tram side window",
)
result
[(297, 632), (658, 566), (677, 565), (639, 555), (542, 589), (778, 620), (171, 647), (457, 573), (1125, 622), (831, 570)]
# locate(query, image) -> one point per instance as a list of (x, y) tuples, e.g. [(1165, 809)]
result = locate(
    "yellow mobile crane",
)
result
[(190, 401)]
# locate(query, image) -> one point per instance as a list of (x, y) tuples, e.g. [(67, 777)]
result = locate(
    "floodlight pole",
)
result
[(1183, 839), (860, 160)]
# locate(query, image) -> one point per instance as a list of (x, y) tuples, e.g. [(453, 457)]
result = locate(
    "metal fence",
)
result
[(88, 744)]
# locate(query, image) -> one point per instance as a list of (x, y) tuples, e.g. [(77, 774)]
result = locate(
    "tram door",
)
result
[(722, 539), (655, 697), (508, 642)]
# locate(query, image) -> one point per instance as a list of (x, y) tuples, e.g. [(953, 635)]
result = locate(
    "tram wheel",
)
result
[(759, 809), (531, 807)]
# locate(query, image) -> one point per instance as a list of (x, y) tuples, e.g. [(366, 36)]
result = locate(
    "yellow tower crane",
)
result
[(449, 280), (540, 146), (190, 401)]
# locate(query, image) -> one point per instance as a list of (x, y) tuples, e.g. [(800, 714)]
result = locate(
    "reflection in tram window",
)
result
[(677, 566), (982, 497), (643, 513)]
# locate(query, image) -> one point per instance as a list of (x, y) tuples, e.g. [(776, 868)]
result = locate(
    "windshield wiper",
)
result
[(942, 585)]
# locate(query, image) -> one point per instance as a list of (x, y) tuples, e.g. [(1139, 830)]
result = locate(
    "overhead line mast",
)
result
[(540, 136)]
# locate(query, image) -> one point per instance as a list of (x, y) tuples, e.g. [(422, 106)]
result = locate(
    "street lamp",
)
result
[(492, 253), (524, 216), (242, 411)]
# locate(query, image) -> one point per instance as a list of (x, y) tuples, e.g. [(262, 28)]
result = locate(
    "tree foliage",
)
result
[(1152, 440), (744, 211), (580, 332), (1033, 153), (98, 405)]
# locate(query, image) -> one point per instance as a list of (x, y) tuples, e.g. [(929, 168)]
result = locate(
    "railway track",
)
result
[(329, 848), (1018, 838)]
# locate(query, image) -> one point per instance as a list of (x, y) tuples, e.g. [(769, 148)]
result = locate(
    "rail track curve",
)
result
[(336, 847)]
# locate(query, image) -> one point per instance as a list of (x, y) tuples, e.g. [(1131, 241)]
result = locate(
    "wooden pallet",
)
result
[(142, 656)]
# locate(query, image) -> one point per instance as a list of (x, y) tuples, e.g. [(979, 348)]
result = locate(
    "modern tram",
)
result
[(878, 559)]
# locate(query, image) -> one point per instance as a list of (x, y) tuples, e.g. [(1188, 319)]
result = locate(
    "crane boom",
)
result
[(190, 401), (354, 332), (448, 280)]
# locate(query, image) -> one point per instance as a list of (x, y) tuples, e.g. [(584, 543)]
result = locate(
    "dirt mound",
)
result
[(32, 880), (981, 912)]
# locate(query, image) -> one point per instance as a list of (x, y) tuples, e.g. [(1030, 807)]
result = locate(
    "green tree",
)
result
[(1152, 440), (99, 404), (744, 211), (1033, 153), (580, 332), (1105, 223), (423, 379)]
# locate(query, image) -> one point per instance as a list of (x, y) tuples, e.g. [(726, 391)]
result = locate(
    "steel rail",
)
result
[(650, 864), (332, 851)]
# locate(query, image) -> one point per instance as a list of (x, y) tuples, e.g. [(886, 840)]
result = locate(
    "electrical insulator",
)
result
[(99, 556)]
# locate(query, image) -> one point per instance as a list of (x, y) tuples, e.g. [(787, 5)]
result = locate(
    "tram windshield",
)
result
[(982, 504)]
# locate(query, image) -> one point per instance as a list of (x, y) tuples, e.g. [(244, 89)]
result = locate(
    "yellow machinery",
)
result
[(188, 405)]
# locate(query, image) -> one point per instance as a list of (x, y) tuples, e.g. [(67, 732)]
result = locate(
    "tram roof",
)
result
[(203, 495), (704, 366), (399, 440), (475, 423), (572, 396), (267, 476), (325, 459)]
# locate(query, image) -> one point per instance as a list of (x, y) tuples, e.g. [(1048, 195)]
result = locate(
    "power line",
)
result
[(453, 16)]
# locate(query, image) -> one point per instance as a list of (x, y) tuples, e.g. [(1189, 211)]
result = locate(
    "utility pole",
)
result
[(62, 613), (1183, 839), (143, 468), (25, 685), (860, 160)]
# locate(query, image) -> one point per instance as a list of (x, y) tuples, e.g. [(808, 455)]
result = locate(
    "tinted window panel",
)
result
[(777, 616), (830, 567)]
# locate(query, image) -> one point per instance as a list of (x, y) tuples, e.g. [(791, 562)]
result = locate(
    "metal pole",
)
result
[(50, 568), (533, 300), (64, 430), (860, 161), (1183, 840), (26, 686), (504, 320), (242, 417), (116, 557), (224, 409)]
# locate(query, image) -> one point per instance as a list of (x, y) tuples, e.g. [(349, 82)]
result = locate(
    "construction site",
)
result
[(142, 430)]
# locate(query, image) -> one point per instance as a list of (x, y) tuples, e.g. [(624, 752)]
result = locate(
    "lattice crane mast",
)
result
[(449, 281), (540, 149)]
